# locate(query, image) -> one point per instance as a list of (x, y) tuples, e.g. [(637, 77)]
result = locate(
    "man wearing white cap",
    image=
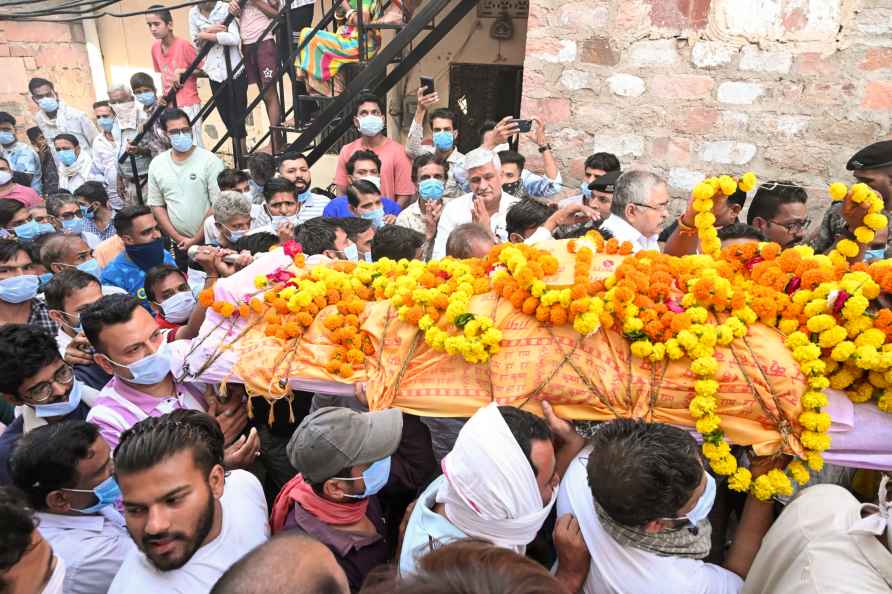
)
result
[(499, 484)]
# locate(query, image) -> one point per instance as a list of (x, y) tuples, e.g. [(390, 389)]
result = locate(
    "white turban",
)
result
[(490, 490)]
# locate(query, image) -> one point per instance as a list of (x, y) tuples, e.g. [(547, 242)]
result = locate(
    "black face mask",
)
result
[(512, 188), (146, 255)]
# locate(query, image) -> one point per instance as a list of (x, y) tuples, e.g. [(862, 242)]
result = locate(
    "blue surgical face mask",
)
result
[(351, 253), (874, 254), (106, 123), (374, 477), (18, 289), (149, 370), (375, 216), (304, 196), (704, 504), (60, 409), (67, 157), (48, 104), (107, 492), (370, 125), (181, 142), (91, 267), (45, 278), (74, 226), (431, 189), (586, 193), (444, 140), (32, 229), (147, 98), (234, 235), (6, 137), (88, 212), (367, 256)]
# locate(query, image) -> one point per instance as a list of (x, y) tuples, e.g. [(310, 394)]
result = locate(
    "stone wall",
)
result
[(55, 51), (786, 88)]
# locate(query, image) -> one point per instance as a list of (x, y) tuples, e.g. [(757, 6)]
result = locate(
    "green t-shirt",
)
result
[(187, 189)]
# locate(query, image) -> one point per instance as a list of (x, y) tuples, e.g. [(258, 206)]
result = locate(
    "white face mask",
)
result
[(178, 307), (57, 580)]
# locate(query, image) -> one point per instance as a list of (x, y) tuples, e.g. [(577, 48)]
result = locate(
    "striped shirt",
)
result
[(120, 406)]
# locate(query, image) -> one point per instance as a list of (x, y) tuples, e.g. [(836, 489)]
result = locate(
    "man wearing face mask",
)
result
[(645, 539), (429, 173), (75, 163), (143, 250), (18, 289), (232, 219), (49, 175), (344, 458), (69, 217), (66, 472), (173, 302), (66, 252), (9, 190), (295, 168), (130, 346), (133, 111), (35, 377), (21, 157), (323, 242), (55, 117), (395, 169), (106, 149), (94, 202), (444, 135), (366, 203), (28, 563), (68, 294), (183, 185), (362, 165)]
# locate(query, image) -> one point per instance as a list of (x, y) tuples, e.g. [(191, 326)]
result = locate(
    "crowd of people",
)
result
[(118, 477)]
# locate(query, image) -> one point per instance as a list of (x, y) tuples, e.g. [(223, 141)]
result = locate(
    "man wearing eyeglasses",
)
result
[(34, 377), (778, 211), (640, 205)]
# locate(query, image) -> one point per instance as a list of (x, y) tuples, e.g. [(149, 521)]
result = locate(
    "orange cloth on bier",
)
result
[(584, 378)]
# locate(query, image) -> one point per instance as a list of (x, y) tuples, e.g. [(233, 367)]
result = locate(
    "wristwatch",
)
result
[(543, 148)]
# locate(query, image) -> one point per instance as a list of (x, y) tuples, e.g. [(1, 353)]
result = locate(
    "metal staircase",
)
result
[(394, 60)]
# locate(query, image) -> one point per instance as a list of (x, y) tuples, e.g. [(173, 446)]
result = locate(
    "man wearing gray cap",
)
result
[(343, 458)]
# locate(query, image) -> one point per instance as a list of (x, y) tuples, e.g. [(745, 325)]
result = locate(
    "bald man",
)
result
[(290, 563)]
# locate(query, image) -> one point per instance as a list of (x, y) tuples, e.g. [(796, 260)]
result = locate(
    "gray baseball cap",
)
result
[(333, 438)]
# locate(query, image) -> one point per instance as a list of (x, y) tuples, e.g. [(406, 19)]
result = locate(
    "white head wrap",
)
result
[(490, 490), (878, 518)]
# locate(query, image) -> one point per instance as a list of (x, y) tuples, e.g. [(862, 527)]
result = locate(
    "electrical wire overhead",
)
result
[(58, 12)]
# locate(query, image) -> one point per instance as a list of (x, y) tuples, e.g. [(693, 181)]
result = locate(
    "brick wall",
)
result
[(787, 88), (54, 51)]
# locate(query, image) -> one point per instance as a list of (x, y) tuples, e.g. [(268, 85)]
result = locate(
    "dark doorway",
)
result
[(480, 92)]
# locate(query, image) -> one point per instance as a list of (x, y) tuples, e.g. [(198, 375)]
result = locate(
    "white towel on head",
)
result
[(490, 490)]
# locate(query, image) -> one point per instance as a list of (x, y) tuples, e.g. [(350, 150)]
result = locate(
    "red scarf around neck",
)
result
[(299, 491)]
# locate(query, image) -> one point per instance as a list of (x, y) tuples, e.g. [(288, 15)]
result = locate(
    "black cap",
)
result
[(875, 156), (606, 183)]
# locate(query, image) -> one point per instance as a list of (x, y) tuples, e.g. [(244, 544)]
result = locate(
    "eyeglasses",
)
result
[(44, 391), (793, 226), (662, 207)]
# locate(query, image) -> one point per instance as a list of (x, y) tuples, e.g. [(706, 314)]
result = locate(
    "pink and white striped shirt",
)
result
[(120, 406)]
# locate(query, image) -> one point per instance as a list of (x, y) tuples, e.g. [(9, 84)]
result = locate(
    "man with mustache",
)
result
[(190, 519)]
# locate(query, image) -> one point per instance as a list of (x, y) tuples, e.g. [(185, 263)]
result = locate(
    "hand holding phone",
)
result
[(427, 83), (523, 126)]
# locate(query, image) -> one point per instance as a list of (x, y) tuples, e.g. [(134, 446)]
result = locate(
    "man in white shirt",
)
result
[(531, 221), (642, 498), (486, 203), (65, 470), (190, 520), (55, 117), (295, 168), (640, 205), (826, 541)]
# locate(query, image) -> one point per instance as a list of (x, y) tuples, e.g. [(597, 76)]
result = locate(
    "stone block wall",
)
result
[(55, 51), (689, 88)]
